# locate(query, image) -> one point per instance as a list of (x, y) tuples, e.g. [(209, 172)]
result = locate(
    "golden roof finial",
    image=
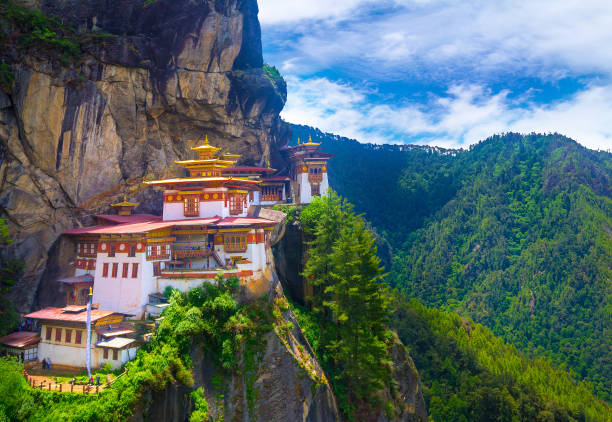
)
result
[(298, 140), (206, 139), (309, 139), (124, 197)]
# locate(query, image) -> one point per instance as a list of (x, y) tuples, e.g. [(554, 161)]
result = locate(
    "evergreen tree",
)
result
[(350, 299)]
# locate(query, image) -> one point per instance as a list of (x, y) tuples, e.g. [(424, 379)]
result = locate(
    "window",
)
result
[(132, 251), (105, 353), (105, 270), (134, 270), (236, 204), (235, 242), (115, 269), (192, 206), (160, 251), (48, 334), (315, 174), (115, 354), (315, 190), (58, 334), (77, 337), (126, 268), (68, 336), (157, 269), (111, 249)]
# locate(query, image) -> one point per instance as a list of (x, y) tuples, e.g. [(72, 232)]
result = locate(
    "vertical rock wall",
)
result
[(75, 138)]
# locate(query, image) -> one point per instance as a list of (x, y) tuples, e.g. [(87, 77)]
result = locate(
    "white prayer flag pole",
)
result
[(88, 348)]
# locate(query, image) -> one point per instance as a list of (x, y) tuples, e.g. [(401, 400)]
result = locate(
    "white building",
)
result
[(64, 337), (308, 171)]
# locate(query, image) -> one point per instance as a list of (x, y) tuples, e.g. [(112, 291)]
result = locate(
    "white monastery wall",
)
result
[(122, 294)]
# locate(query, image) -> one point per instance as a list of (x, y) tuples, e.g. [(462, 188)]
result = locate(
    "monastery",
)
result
[(209, 226)]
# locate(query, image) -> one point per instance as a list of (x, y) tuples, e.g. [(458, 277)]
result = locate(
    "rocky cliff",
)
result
[(111, 92), (404, 392), (283, 382)]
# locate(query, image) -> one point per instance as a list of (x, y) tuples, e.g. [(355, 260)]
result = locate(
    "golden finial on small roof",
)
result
[(125, 203)]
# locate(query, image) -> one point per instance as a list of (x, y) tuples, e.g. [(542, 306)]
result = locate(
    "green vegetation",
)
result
[(468, 374), (7, 79), (208, 317), (350, 303), (290, 210), (38, 34), (9, 273), (515, 233), (277, 80)]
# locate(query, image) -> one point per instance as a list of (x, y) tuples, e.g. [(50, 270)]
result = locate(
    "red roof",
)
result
[(60, 314), (243, 221), (155, 225), (276, 179), (85, 278), (20, 339), (121, 219), (248, 168)]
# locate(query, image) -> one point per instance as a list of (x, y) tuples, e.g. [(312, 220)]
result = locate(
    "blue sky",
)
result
[(442, 72)]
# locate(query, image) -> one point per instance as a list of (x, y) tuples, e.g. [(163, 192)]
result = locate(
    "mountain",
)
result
[(96, 95), (515, 232)]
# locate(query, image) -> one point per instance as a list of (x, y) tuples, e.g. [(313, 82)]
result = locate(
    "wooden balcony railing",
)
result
[(272, 197), (315, 178)]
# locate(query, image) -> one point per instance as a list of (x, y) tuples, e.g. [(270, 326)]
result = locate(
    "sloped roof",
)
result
[(60, 314), (85, 278), (116, 343), (20, 339)]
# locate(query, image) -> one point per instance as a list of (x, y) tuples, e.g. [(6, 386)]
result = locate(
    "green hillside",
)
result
[(515, 232), (468, 374)]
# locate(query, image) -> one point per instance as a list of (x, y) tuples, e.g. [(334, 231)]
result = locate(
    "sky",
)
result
[(441, 72)]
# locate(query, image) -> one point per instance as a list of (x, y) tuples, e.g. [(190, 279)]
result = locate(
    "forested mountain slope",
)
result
[(515, 232)]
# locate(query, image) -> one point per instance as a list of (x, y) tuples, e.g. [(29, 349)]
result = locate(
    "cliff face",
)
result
[(405, 395), (283, 382), (75, 137)]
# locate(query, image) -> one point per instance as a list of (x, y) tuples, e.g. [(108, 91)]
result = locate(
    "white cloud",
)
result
[(435, 37), (464, 115), (285, 12)]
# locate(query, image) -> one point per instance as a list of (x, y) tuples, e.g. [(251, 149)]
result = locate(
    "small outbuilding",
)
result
[(22, 344)]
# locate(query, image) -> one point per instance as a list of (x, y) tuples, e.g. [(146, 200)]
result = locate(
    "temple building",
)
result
[(308, 170), (63, 337), (205, 230), (210, 225)]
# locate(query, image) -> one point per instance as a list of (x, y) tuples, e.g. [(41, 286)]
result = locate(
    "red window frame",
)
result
[(115, 269), (115, 354), (191, 206), (124, 271), (77, 337), (236, 204), (48, 333), (68, 336), (157, 268), (134, 270), (58, 334), (105, 269), (105, 353)]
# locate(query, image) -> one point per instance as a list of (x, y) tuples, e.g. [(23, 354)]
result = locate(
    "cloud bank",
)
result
[(444, 72)]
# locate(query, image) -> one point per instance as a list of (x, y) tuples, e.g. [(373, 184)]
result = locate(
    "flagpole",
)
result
[(88, 348)]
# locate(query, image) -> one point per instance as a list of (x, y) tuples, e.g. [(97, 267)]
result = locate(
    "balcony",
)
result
[(192, 250), (272, 197), (315, 177)]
